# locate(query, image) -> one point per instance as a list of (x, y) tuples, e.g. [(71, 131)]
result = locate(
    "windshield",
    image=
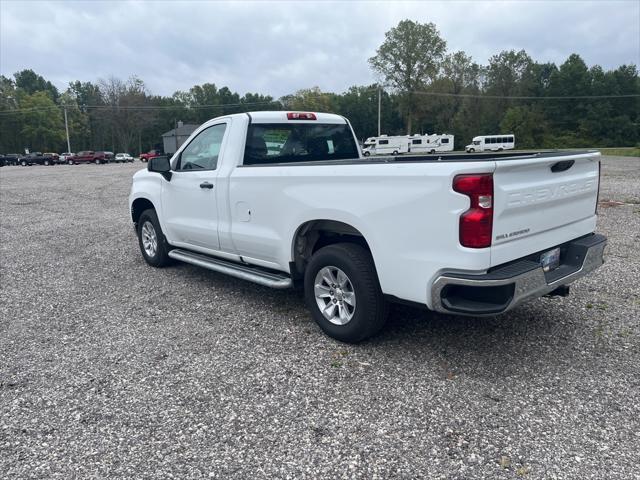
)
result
[(476, 142), (298, 142)]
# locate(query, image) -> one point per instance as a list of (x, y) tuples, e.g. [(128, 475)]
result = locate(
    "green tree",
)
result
[(10, 120), (310, 99), (42, 127), (409, 59), (30, 82), (528, 125)]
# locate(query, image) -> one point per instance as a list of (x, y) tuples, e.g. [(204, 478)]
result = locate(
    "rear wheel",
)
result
[(23, 163), (97, 161), (343, 293), (153, 244), (366, 154), (46, 162), (395, 152), (432, 151)]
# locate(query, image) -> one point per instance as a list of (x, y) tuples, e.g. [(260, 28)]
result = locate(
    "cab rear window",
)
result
[(295, 142)]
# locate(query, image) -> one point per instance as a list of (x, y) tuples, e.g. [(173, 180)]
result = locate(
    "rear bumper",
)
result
[(504, 287)]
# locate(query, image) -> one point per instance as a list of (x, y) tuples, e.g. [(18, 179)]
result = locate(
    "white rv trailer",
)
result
[(430, 143), (385, 145), (483, 143)]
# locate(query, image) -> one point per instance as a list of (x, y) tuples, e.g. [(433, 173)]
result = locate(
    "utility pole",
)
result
[(379, 109), (66, 127)]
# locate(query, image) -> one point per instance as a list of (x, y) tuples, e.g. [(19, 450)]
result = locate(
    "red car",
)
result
[(145, 157), (89, 156)]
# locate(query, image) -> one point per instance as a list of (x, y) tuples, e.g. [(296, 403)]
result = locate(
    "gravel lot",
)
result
[(110, 368)]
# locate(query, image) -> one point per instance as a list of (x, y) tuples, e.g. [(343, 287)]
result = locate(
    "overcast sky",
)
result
[(277, 48)]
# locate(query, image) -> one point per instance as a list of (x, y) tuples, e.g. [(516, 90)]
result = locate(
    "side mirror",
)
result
[(160, 165)]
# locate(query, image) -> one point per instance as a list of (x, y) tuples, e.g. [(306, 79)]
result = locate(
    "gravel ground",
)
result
[(110, 368)]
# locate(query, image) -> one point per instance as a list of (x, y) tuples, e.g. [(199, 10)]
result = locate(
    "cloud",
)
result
[(279, 47)]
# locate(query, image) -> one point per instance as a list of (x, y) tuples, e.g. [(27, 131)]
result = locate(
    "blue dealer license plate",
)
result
[(550, 260)]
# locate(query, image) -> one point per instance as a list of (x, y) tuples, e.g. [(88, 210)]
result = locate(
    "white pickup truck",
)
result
[(286, 198)]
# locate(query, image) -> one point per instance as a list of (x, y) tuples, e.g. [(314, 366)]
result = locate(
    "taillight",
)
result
[(476, 224), (301, 116)]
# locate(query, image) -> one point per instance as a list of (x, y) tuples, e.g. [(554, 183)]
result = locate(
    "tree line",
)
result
[(421, 87)]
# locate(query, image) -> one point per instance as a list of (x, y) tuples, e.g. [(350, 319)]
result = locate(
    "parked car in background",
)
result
[(54, 157), (36, 158), (123, 157), (106, 157), (85, 156), (145, 157), (64, 157), (11, 159), (89, 156)]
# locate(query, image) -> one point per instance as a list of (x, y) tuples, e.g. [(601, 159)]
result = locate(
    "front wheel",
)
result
[(97, 161), (23, 163), (472, 150), (152, 243), (395, 152), (366, 154), (343, 293)]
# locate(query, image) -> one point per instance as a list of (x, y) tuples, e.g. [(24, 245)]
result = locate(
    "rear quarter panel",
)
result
[(407, 213)]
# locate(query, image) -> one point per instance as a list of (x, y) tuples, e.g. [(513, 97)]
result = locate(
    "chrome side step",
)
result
[(244, 272)]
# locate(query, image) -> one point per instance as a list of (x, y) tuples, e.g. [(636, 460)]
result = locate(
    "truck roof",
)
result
[(281, 117)]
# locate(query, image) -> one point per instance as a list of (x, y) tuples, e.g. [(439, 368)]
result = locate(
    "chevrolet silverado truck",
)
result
[(285, 199)]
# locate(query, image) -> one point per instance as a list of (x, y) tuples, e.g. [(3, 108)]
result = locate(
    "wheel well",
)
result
[(138, 206), (312, 236)]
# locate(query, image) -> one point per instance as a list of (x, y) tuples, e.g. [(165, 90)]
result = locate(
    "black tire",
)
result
[(395, 152), (23, 163), (472, 150), (97, 161), (70, 162), (371, 309), (432, 152), (366, 154), (45, 162), (161, 257)]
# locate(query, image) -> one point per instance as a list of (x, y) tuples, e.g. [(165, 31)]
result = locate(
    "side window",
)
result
[(444, 140), (383, 142), (416, 142), (202, 152), (510, 139)]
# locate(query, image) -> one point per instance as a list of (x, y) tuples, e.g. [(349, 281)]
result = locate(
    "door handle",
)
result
[(206, 185)]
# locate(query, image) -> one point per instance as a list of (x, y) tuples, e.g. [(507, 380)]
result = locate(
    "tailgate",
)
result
[(542, 201)]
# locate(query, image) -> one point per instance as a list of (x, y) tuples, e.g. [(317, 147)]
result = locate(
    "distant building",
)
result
[(176, 137)]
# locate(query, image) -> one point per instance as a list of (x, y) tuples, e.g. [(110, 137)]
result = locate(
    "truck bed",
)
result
[(437, 157)]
